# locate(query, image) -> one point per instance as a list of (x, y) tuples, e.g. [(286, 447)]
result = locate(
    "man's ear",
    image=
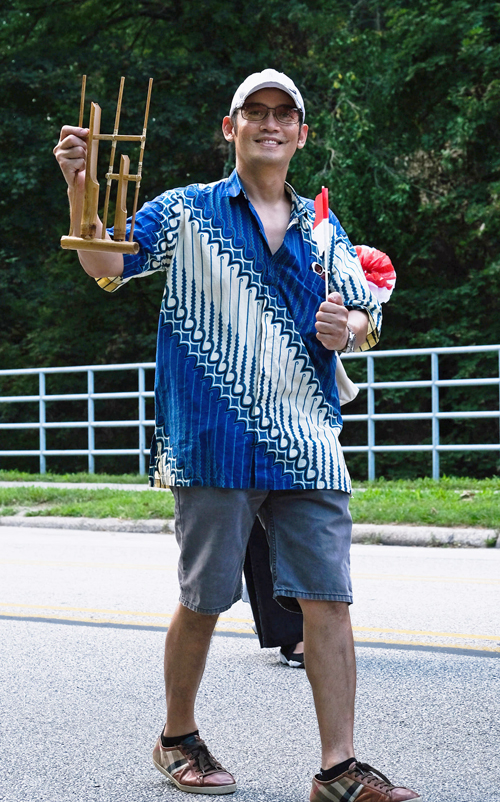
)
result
[(228, 129), (302, 136)]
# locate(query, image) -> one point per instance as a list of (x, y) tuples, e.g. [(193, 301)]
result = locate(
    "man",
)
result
[(247, 417)]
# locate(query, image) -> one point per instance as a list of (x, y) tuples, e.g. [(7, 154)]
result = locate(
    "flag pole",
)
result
[(326, 233)]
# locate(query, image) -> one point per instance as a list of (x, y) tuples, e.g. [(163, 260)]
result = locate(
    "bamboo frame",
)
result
[(83, 230)]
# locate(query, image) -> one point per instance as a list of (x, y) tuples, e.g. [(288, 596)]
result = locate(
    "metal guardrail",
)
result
[(435, 415), (91, 424)]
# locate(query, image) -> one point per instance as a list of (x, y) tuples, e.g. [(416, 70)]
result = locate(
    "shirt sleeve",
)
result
[(157, 227), (347, 278)]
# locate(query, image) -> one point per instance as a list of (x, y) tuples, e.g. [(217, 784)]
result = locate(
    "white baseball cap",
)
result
[(262, 80)]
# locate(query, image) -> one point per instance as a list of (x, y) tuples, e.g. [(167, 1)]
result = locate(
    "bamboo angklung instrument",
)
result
[(82, 235)]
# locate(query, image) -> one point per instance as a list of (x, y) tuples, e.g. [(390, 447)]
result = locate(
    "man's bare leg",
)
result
[(186, 649), (331, 669)]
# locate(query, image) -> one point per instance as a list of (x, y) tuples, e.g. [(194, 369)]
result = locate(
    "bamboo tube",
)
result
[(103, 245), (112, 158), (82, 100), (120, 226), (76, 208), (141, 156), (91, 202)]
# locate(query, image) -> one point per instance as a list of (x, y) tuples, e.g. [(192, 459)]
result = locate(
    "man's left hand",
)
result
[(331, 323)]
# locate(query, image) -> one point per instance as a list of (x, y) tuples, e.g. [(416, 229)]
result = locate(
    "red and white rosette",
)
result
[(379, 271)]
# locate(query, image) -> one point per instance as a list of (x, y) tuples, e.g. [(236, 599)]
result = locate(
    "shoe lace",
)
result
[(204, 762), (372, 776)]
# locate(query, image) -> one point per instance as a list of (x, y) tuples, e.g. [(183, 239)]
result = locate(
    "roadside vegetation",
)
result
[(448, 502)]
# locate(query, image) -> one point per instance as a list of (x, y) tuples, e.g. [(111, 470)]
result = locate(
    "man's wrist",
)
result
[(350, 342)]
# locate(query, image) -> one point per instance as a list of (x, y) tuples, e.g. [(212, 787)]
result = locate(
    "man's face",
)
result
[(267, 142)]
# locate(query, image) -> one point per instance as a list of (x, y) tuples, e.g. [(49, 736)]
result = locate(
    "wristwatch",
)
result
[(351, 341)]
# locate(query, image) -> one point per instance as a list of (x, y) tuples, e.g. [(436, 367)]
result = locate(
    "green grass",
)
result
[(449, 502), (94, 478), (128, 504)]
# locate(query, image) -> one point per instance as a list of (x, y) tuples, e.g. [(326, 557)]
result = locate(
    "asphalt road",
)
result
[(82, 617)]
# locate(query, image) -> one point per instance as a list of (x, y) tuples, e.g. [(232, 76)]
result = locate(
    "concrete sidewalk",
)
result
[(383, 534)]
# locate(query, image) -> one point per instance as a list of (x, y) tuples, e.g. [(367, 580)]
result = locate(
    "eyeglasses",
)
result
[(256, 112)]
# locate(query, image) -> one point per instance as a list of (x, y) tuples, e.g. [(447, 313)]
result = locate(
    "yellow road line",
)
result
[(137, 613), (466, 636), (231, 620), (68, 609), (65, 618), (107, 620), (358, 641)]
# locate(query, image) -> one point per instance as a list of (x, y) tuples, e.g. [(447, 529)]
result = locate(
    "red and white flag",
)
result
[(321, 229), (378, 270)]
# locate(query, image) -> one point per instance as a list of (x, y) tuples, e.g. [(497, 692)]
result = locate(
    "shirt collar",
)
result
[(299, 208), (233, 187)]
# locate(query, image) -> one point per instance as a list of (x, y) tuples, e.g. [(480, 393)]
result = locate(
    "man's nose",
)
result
[(270, 122)]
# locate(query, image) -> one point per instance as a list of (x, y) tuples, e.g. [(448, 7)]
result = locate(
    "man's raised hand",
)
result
[(331, 323), (71, 154)]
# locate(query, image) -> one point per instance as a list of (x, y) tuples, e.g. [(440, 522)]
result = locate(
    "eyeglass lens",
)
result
[(256, 112)]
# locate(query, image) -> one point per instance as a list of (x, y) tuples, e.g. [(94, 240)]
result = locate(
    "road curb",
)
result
[(391, 535), (382, 534), (153, 527)]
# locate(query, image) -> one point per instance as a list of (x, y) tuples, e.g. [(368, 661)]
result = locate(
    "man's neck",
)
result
[(266, 193), (264, 187)]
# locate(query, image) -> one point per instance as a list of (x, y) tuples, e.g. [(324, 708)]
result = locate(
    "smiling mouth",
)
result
[(268, 142)]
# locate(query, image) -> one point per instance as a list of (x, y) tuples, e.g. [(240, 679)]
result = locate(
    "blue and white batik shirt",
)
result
[(245, 393)]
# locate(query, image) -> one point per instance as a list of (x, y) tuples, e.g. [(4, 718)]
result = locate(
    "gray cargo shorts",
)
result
[(309, 534)]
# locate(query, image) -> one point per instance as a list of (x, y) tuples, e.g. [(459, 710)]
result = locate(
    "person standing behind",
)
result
[(247, 418), (274, 625)]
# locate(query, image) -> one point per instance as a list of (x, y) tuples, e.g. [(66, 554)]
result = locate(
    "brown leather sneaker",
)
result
[(192, 768), (361, 783)]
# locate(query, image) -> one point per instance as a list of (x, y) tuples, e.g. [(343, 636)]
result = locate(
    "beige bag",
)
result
[(347, 389)]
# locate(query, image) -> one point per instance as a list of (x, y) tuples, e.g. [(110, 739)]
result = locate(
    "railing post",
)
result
[(435, 419), (142, 417), (42, 421), (90, 420), (370, 378)]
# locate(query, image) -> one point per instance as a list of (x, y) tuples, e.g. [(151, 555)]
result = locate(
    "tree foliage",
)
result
[(403, 103)]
